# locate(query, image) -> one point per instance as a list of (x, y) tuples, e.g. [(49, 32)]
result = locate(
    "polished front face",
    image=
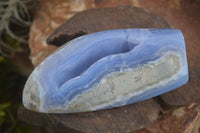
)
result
[(108, 69)]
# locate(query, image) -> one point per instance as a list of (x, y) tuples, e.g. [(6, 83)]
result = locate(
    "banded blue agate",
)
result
[(108, 69)]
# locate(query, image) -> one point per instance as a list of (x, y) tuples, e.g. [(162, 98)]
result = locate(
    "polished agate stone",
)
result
[(108, 69)]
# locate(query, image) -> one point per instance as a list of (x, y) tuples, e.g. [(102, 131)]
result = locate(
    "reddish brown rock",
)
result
[(101, 19), (124, 119)]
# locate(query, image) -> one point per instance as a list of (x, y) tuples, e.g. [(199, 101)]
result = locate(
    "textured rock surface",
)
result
[(96, 122), (139, 18), (108, 69), (180, 14)]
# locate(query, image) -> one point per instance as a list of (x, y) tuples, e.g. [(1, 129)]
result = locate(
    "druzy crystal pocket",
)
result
[(108, 69)]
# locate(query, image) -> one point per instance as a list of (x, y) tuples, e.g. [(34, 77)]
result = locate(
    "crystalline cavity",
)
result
[(108, 69)]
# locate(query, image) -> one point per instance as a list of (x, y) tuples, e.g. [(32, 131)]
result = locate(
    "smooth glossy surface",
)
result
[(108, 69)]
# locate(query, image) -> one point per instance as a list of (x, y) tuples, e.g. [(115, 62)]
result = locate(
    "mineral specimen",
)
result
[(108, 69)]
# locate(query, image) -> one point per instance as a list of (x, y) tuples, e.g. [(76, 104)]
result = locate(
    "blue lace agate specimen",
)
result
[(108, 69)]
